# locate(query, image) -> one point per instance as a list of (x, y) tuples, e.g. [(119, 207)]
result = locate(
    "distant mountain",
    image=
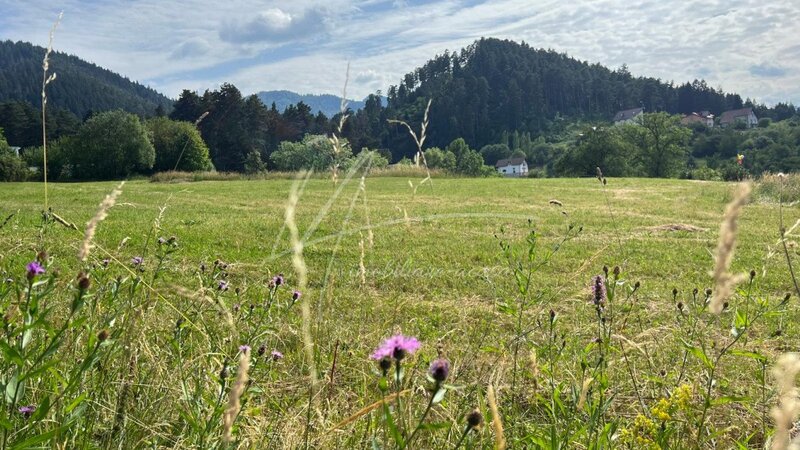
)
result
[(81, 87), (329, 104)]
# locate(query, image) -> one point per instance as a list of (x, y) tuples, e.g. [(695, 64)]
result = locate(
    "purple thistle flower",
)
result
[(397, 347), (27, 410), (440, 369), (244, 348), (162, 241), (296, 295), (277, 280), (276, 355), (106, 262), (598, 290), (222, 285), (34, 269), (137, 260)]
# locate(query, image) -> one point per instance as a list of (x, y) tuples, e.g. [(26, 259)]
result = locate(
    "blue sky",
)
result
[(747, 46)]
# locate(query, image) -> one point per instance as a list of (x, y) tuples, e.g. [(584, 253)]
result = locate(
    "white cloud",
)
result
[(274, 26), (745, 46)]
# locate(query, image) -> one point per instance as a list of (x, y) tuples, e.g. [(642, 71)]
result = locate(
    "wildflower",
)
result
[(34, 268), (661, 410), (440, 369), (277, 280), (296, 295), (397, 347), (262, 349), (222, 285), (598, 291), (244, 348), (276, 355), (682, 396), (27, 410), (106, 262), (137, 260), (236, 308), (162, 241)]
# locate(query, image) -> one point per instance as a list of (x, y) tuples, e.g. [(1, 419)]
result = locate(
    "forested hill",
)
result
[(498, 85), (81, 87)]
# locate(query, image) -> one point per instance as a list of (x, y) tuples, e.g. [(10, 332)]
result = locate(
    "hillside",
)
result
[(496, 86), (327, 103), (81, 86)]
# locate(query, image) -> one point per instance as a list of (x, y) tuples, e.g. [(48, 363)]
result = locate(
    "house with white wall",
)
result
[(743, 115), (512, 167)]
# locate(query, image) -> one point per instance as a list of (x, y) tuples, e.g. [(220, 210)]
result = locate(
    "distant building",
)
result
[(744, 115), (512, 167), (16, 150), (627, 116), (704, 117)]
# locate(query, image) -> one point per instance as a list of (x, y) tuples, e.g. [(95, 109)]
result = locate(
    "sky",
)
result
[(751, 47)]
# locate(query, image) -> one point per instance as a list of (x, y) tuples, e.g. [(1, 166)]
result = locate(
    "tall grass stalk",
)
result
[(91, 226), (419, 140), (47, 79)]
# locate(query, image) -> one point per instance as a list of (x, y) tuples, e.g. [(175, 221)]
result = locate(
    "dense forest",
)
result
[(498, 86), (493, 100), (81, 87)]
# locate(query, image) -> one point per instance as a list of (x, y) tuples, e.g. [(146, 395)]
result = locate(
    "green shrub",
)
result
[(110, 145), (178, 146)]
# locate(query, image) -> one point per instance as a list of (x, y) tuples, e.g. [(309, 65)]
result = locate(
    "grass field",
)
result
[(433, 268)]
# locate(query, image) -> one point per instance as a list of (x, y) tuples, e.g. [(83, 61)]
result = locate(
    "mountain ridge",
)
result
[(81, 87)]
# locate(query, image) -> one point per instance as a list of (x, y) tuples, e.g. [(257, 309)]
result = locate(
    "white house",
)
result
[(513, 167), (744, 115), (627, 116)]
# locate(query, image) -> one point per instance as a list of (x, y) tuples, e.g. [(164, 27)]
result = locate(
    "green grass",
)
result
[(438, 275)]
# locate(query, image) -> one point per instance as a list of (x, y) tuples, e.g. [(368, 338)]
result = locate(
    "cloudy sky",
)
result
[(747, 46)]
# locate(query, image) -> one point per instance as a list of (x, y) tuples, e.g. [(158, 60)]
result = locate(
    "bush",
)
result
[(471, 163), (537, 172), (314, 152), (110, 145), (12, 168), (178, 146), (253, 163), (705, 174), (440, 159)]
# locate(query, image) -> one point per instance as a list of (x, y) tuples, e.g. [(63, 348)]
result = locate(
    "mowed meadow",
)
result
[(570, 314)]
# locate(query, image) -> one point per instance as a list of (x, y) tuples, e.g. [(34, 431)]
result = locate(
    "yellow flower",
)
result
[(682, 396), (661, 410)]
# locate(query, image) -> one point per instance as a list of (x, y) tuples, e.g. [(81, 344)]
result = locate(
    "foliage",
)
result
[(178, 146), (495, 152), (314, 152), (661, 143), (598, 146), (440, 159), (110, 145)]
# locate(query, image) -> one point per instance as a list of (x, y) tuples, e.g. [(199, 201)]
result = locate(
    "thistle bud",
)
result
[(102, 335), (474, 419), (83, 282)]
